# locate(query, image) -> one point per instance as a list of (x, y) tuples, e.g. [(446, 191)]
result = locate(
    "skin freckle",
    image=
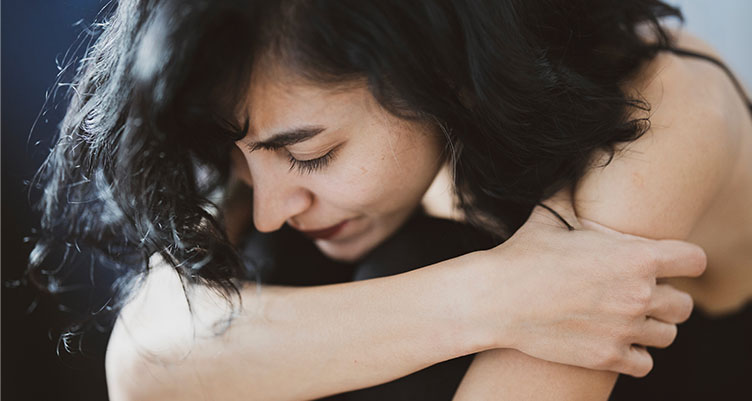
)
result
[(637, 180)]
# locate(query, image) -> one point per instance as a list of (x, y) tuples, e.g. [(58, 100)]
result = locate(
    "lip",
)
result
[(325, 233)]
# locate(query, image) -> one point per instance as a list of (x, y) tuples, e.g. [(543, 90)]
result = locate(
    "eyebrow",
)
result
[(286, 138)]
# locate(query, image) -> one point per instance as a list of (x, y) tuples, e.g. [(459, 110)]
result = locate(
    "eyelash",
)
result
[(310, 166)]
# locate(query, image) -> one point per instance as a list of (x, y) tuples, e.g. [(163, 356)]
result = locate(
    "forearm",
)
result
[(292, 343), (309, 342), (507, 374)]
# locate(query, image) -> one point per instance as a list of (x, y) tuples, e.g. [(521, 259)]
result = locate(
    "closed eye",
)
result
[(311, 165)]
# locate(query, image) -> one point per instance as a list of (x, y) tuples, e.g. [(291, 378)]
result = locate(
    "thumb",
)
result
[(593, 226)]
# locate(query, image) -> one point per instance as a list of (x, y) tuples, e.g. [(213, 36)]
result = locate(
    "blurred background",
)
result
[(36, 45), (39, 39)]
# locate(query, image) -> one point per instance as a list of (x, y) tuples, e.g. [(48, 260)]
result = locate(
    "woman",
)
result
[(330, 105)]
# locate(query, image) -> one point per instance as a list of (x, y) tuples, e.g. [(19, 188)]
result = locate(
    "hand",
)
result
[(587, 297)]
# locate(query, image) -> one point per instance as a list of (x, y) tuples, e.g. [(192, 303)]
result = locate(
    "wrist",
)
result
[(483, 301), (495, 297)]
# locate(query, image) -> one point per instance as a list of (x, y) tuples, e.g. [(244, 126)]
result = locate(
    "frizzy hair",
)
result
[(525, 91)]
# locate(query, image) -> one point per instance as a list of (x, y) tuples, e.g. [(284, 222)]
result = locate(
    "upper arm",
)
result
[(659, 185), (508, 374)]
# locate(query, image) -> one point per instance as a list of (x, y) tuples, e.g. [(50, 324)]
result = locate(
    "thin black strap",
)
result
[(689, 53), (563, 220)]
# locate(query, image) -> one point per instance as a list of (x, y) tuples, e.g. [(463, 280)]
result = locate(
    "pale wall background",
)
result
[(725, 24)]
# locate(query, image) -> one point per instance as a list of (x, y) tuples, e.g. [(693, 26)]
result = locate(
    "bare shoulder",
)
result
[(660, 184)]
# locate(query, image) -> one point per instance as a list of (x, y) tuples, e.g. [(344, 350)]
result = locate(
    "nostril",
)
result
[(276, 201)]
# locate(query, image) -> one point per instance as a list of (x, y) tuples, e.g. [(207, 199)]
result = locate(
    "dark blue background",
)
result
[(34, 34)]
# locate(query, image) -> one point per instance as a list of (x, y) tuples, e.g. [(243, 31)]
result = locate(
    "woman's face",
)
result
[(333, 163)]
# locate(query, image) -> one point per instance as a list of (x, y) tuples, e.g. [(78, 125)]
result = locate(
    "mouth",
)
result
[(325, 233)]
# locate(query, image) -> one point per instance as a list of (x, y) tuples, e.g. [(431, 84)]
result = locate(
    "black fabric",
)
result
[(422, 241), (711, 359), (287, 258)]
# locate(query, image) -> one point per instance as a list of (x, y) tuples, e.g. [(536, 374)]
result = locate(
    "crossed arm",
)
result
[(303, 343), (657, 187)]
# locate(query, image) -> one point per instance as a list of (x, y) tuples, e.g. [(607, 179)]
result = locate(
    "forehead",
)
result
[(275, 102)]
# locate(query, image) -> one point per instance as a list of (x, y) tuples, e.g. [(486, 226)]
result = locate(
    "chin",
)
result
[(343, 253), (355, 248), (352, 250)]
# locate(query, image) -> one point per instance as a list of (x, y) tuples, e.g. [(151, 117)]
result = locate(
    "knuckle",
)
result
[(648, 262), (644, 295), (631, 310), (608, 357), (639, 301), (622, 336)]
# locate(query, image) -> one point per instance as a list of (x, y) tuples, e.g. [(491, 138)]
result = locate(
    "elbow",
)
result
[(138, 370), (126, 371), (150, 330), (121, 380)]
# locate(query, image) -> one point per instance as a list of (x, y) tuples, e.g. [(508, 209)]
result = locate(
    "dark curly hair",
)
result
[(524, 90)]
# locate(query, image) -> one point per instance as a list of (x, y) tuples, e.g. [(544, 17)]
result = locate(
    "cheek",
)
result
[(390, 179), (363, 185)]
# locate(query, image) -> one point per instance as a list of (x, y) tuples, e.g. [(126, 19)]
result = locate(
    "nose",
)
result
[(277, 198)]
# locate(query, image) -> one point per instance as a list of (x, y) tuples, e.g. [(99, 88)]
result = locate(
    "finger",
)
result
[(673, 258), (656, 333), (639, 362), (670, 305), (669, 252), (592, 225), (678, 259)]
